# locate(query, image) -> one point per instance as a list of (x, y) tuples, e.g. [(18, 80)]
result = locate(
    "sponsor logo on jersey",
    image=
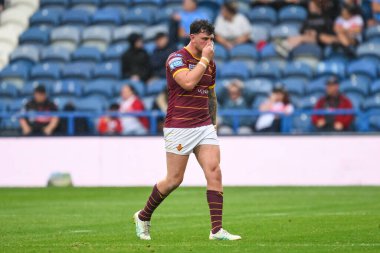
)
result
[(202, 91), (175, 63)]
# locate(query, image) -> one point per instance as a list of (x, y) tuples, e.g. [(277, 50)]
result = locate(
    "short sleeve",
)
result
[(176, 64), (245, 25)]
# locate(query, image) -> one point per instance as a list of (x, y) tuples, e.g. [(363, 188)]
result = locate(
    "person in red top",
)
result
[(110, 125), (333, 100), (190, 127)]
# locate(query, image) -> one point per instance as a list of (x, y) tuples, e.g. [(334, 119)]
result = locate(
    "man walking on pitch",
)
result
[(190, 127)]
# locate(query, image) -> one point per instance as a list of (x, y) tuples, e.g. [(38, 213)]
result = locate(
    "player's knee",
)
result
[(214, 173), (175, 181)]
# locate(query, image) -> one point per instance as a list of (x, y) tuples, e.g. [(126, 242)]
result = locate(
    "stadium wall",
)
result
[(140, 161)]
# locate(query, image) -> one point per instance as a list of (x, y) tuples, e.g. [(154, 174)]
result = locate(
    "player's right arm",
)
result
[(189, 79)]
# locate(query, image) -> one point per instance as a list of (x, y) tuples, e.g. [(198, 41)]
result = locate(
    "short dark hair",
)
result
[(40, 89), (201, 25), (230, 7)]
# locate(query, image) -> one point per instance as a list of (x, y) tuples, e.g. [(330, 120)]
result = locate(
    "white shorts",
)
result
[(182, 141)]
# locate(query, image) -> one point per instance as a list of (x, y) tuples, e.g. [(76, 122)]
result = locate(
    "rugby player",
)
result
[(190, 127)]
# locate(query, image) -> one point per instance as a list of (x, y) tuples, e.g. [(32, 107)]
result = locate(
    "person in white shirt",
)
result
[(278, 102), (348, 26), (231, 28)]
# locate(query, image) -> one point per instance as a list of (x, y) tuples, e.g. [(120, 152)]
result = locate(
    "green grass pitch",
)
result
[(270, 219)]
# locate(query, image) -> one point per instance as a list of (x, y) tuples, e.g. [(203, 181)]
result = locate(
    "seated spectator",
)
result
[(375, 11), (185, 17), (235, 101), (131, 103), (39, 125), (348, 26), (135, 61), (160, 54), (231, 28), (331, 101), (110, 125), (278, 102), (80, 123), (316, 28)]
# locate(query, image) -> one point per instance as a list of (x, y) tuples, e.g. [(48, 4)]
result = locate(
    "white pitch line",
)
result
[(80, 231)]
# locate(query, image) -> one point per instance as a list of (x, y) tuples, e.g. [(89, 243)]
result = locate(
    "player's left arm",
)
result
[(213, 105)]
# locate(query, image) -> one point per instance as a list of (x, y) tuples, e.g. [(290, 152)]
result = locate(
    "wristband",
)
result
[(207, 60), (204, 65)]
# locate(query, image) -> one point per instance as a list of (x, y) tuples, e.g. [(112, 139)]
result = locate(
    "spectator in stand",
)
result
[(231, 28), (278, 102), (161, 52), (375, 6), (110, 125), (349, 26), (80, 123), (135, 61), (331, 101), (235, 101), (131, 103), (186, 16), (316, 28), (39, 125)]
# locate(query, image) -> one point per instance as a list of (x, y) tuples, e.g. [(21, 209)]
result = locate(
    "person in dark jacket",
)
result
[(135, 61), (333, 100), (160, 54)]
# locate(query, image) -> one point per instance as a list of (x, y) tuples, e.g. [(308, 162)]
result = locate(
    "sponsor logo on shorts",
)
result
[(179, 147), (175, 63)]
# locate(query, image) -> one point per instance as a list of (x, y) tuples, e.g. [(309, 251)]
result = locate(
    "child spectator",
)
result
[(110, 125)]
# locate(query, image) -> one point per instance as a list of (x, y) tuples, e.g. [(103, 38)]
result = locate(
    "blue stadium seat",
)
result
[(301, 124), (156, 87), (317, 86), (139, 16), (65, 36), (15, 73), (269, 52), (284, 31), (96, 36), (263, 15), (298, 69), (89, 5), (307, 53), (147, 3), (295, 86), (122, 33), (243, 52), (109, 70), (354, 86), (259, 33), (54, 4), (362, 67), (74, 17), (28, 88), (210, 4), (355, 98), (114, 53), (172, 3), (266, 70), (91, 104), (292, 14), (235, 69), (375, 87), (372, 103), (258, 86), (163, 16), (149, 102), (116, 4), (368, 49), (38, 36), (151, 31), (220, 53), (77, 71), (46, 71), (62, 101), (17, 104), (46, 18), (372, 33), (67, 88), (55, 54), (374, 121), (107, 17), (8, 90), (101, 88), (26, 54), (87, 54), (308, 103), (331, 68), (258, 101)]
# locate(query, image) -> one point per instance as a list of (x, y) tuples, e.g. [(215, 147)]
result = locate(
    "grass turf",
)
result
[(270, 219)]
